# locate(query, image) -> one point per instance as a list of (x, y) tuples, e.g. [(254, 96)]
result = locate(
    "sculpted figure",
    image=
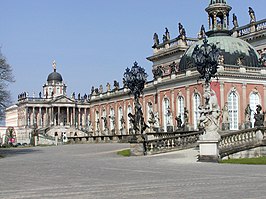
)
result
[(155, 40), (258, 116), (252, 15), (108, 87), (167, 34), (235, 22), (182, 32), (101, 89), (225, 113), (178, 121), (202, 33), (248, 113)]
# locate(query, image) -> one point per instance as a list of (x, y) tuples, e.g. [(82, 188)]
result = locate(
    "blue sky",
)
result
[(93, 41)]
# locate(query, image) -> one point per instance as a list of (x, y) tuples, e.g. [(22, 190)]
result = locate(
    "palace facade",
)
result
[(174, 92)]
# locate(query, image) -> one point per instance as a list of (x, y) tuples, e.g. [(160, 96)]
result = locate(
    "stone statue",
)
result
[(173, 69), (40, 94), (92, 90), (164, 38), (178, 122), (248, 113), (101, 89), (122, 122), (79, 96), (151, 119), (235, 22), (182, 32), (108, 87), (116, 85), (202, 32), (97, 125), (185, 117), (158, 72), (209, 112), (157, 120), (252, 15), (167, 34), (105, 123), (225, 113), (259, 117), (155, 40)]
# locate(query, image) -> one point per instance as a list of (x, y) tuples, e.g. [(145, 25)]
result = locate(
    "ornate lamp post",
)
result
[(205, 58), (134, 80)]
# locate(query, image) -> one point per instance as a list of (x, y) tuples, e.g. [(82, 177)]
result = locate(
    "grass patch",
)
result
[(125, 153), (260, 160)]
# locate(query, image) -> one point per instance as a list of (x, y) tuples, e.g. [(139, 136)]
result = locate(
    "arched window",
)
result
[(129, 110), (120, 115), (112, 119), (196, 104), (97, 121), (103, 118), (233, 110), (166, 119), (180, 107), (254, 100)]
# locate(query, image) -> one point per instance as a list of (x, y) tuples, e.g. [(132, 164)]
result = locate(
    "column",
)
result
[(33, 120), (85, 117), (67, 115), (26, 116), (74, 116), (46, 120), (58, 116), (40, 117), (79, 116), (244, 101), (52, 116)]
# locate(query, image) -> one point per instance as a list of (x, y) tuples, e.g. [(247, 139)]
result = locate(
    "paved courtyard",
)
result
[(95, 171)]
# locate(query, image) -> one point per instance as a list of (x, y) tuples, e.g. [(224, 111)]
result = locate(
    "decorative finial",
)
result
[(54, 65)]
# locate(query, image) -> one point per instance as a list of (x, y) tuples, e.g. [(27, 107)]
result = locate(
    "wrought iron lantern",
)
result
[(206, 59)]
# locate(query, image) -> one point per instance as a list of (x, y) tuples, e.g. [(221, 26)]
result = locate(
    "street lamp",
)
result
[(135, 79)]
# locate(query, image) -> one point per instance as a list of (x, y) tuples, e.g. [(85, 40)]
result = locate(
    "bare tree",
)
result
[(6, 77)]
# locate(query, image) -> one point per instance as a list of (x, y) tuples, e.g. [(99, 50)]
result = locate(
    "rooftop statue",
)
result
[(202, 32), (156, 41), (54, 65), (235, 22), (182, 32), (101, 89), (108, 87), (167, 34), (252, 15)]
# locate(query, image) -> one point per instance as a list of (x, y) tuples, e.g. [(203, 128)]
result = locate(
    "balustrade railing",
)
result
[(168, 142), (241, 140), (245, 30)]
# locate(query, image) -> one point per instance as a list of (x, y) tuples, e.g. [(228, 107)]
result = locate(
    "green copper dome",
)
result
[(232, 49)]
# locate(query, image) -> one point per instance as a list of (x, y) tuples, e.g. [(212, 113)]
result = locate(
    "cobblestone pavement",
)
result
[(95, 171)]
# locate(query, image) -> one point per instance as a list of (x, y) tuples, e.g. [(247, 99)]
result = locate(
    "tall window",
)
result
[(129, 110), (166, 106), (254, 100), (120, 115), (196, 104), (180, 107), (97, 121), (233, 110), (103, 118), (112, 119)]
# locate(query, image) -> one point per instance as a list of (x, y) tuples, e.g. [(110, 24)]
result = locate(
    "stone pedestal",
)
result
[(137, 146), (56, 140), (35, 140), (208, 145), (209, 151)]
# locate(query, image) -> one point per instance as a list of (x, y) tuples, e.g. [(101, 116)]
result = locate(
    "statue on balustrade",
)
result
[(92, 90), (122, 122), (178, 122), (202, 32), (155, 40), (235, 22), (167, 34), (248, 113), (225, 117), (209, 112), (182, 32), (108, 87), (151, 119), (185, 124), (79, 96), (101, 89), (259, 116), (252, 15), (105, 123), (116, 85)]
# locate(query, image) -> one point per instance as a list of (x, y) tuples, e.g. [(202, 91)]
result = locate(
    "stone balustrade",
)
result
[(234, 142), (166, 142), (253, 27)]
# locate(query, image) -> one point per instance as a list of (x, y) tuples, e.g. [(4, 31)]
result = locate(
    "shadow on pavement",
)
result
[(7, 152)]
